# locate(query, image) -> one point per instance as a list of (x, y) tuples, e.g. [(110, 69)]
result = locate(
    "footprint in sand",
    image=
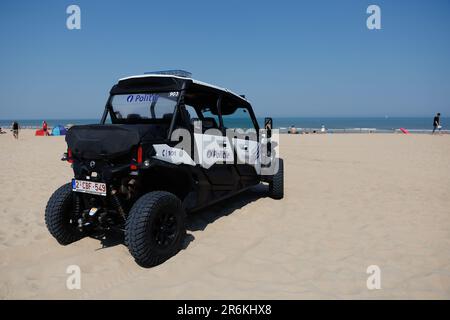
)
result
[(31, 277), (91, 268), (8, 200), (40, 236), (17, 220)]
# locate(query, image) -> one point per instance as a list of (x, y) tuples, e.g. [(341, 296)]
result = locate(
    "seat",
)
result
[(207, 123), (134, 116)]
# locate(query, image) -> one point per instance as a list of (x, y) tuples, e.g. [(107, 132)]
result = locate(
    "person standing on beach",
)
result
[(15, 129), (437, 123), (45, 127), (293, 129)]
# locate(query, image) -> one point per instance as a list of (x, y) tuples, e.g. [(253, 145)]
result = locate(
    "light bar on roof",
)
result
[(178, 73)]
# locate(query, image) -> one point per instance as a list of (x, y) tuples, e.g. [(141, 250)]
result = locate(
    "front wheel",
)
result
[(276, 184), (59, 216), (155, 228)]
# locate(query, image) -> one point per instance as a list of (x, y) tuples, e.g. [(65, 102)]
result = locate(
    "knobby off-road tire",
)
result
[(156, 228), (276, 185), (59, 216)]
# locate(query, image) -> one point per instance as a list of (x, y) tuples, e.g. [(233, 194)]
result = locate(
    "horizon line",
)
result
[(284, 116)]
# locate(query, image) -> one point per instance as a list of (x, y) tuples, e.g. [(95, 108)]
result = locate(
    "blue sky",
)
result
[(290, 58)]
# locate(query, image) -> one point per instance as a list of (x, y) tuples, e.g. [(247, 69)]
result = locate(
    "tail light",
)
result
[(138, 158), (69, 155)]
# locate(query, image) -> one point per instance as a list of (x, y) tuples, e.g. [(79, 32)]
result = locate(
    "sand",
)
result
[(351, 201)]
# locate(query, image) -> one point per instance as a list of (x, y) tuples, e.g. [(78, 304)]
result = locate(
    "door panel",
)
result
[(215, 155)]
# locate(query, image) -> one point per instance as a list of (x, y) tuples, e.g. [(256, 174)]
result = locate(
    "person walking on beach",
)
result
[(437, 123), (15, 129)]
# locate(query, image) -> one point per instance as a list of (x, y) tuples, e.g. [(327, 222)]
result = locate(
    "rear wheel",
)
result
[(59, 216), (155, 228), (276, 184)]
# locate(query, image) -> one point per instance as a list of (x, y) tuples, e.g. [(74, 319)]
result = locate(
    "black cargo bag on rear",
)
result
[(100, 141)]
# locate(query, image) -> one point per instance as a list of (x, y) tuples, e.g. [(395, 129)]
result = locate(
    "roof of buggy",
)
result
[(164, 82)]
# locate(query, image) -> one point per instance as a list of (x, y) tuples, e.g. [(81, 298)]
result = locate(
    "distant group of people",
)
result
[(436, 126), (294, 130), (15, 129)]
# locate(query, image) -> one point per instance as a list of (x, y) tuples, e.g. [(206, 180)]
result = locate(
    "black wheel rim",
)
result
[(165, 229)]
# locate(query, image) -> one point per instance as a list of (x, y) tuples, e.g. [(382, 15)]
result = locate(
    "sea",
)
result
[(309, 123)]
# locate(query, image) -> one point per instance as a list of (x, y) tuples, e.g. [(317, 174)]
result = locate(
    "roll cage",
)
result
[(200, 96)]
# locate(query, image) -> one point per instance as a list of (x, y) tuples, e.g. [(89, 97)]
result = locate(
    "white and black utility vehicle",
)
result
[(166, 145)]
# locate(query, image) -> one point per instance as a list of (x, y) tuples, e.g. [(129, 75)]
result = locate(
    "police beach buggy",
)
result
[(166, 145)]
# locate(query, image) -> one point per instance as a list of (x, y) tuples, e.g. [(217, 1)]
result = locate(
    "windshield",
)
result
[(143, 106)]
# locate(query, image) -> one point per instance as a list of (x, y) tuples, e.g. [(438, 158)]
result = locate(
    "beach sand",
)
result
[(351, 201)]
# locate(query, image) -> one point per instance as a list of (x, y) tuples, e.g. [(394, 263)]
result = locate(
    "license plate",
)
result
[(89, 187)]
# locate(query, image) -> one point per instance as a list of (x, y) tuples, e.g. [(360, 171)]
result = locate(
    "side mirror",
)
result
[(268, 124)]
